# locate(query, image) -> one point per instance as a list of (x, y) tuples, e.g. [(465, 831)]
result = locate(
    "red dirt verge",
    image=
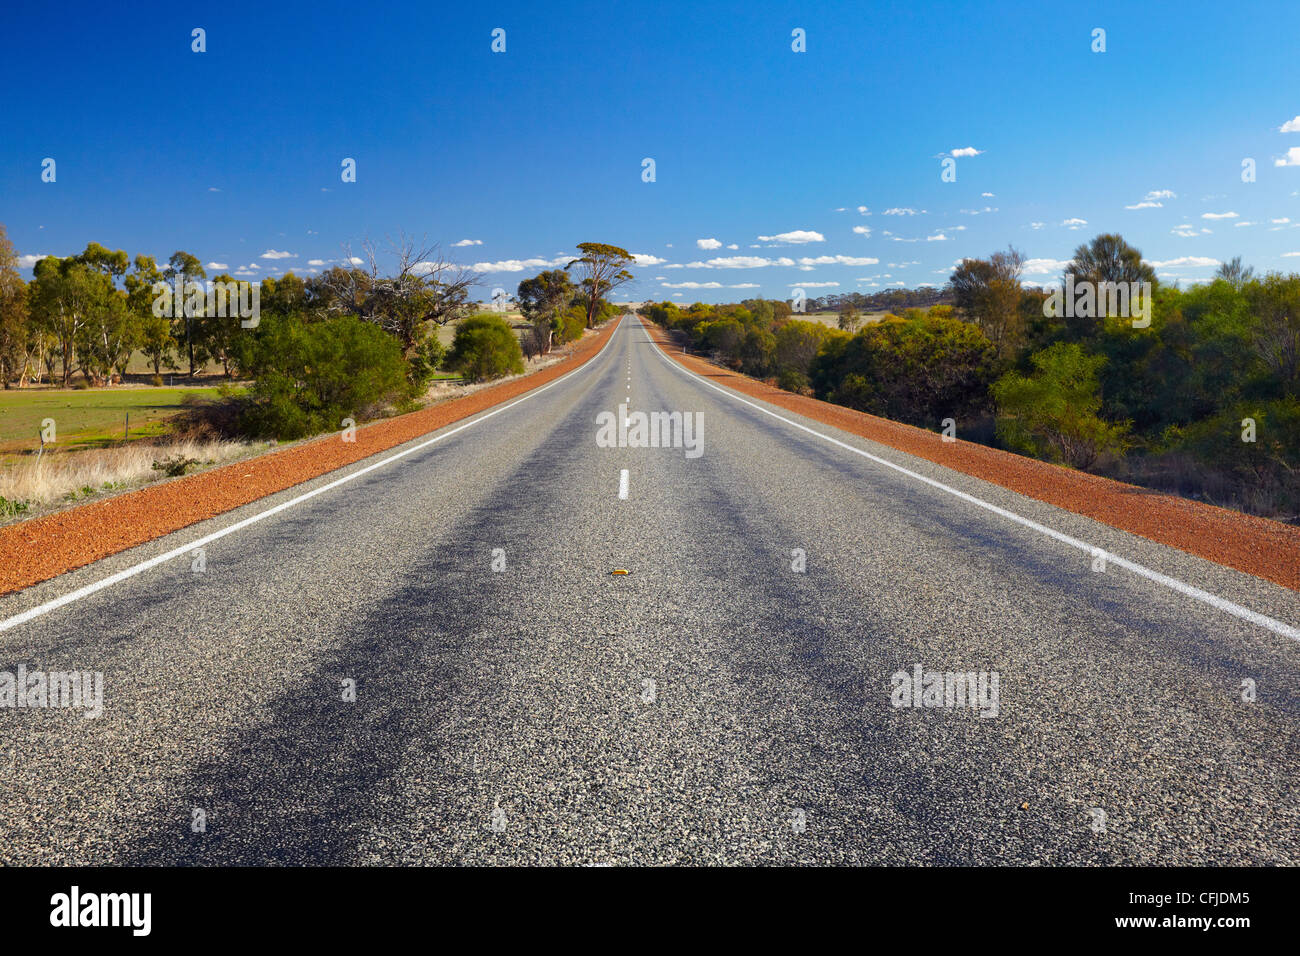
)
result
[(43, 548), (1258, 546)]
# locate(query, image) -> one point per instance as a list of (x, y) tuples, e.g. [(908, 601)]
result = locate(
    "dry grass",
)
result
[(33, 483)]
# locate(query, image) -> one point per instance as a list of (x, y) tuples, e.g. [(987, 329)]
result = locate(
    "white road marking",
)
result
[(186, 549), (1236, 610), (622, 484)]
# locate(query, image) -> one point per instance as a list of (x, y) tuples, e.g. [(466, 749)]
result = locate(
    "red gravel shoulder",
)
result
[(1258, 546), (42, 548)]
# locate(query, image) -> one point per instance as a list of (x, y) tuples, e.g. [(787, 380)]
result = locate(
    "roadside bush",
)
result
[(308, 377), (1052, 413), (424, 361), (571, 323), (919, 370), (485, 348)]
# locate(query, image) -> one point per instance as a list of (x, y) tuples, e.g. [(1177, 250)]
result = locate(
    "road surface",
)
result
[(714, 705)]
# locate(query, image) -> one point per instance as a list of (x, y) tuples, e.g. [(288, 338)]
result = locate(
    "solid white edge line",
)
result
[(1246, 614), (622, 484), (92, 588)]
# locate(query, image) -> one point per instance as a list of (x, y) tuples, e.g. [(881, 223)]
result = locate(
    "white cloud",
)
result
[(1280, 222), (315, 262), (1146, 204), (813, 285), (213, 189), (733, 246), (219, 266), (708, 285), (1290, 255), (1042, 267), (986, 195), (1185, 262), (965, 151), (26, 262), (272, 254), (708, 244), (838, 261), (467, 242), (902, 211), (1074, 223), (1292, 158), (1161, 194), (1290, 126), (1219, 215), (1187, 231), (864, 210), (518, 265), (937, 237), (356, 260), (862, 230), (1037, 225), (739, 262), (1245, 222), (642, 259), (797, 236)]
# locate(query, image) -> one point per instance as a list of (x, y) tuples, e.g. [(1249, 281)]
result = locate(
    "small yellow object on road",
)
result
[(618, 571)]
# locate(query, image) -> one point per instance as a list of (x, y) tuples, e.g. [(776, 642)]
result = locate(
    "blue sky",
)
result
[(234, 154)]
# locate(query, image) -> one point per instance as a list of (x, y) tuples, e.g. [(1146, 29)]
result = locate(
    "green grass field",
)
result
[(87, 418)]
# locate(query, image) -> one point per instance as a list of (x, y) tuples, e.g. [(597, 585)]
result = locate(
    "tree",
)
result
[(850, 318), (1052, 413), (797, 343), (1234, 273), (540, 300), (13, 314), (426, 290), (602, 268), (186, 268), (484, 348), (154, 331), (111, 331), (988, 292), (1106, 259), (1275, 302), (61, 296)]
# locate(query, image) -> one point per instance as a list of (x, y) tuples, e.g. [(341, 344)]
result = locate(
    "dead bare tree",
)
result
[(425, 288)]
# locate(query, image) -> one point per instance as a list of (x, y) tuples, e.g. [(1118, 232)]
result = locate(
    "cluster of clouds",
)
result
[(1292, 155)]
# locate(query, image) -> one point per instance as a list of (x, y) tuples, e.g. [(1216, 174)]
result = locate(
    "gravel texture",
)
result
[(712, 706)]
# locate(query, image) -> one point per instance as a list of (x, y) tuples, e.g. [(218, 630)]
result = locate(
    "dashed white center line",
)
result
[(622, 484)]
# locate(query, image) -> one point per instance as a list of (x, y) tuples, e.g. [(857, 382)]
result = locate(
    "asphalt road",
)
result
[(714, 705)]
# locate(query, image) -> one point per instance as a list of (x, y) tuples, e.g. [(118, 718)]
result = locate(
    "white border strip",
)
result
[(143, 566), (1236, 610)]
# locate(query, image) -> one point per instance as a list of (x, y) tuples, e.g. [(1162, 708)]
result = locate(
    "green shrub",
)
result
[(485, 347), (175, 466), (920, 370), (9, 507), (1052, 413), (571, 323), (309, 376)]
